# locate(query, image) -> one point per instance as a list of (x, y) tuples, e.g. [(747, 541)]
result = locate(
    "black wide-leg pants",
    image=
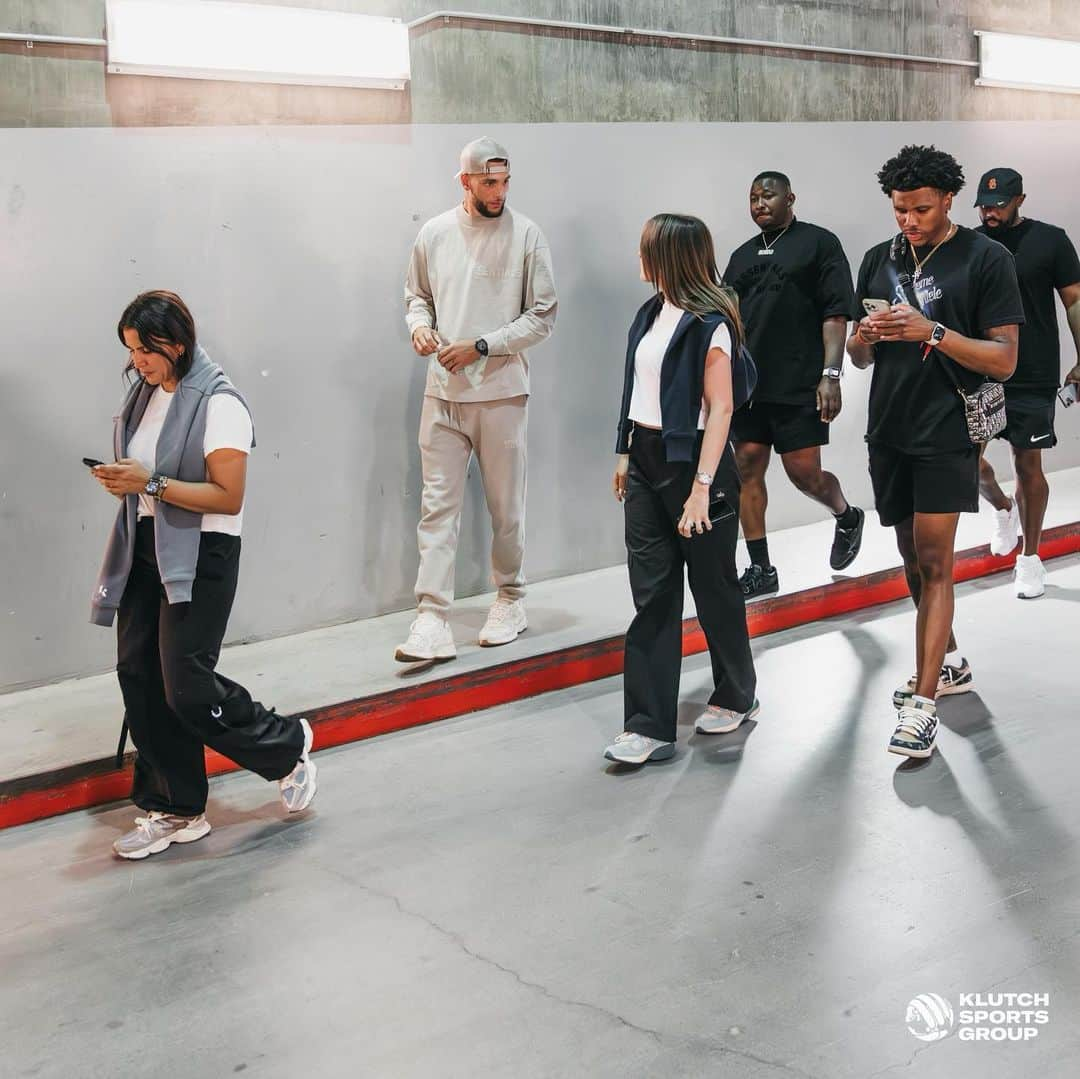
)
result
[(175, 702), (656, 554)]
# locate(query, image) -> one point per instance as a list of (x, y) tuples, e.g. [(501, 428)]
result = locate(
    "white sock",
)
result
[(925, 700), (954, 659)]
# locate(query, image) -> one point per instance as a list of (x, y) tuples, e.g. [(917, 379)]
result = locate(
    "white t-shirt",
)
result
[(645, 402), (228, 427)]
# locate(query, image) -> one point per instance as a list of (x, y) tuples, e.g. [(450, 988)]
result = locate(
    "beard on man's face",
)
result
[(483, 211)]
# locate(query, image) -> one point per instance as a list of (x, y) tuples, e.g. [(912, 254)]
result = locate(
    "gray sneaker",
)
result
[(630, 748), (724, 720), (157, 832), (299, 786)]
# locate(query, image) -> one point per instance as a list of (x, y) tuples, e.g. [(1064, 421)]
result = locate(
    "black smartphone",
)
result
[(90, 462), (719, 509)]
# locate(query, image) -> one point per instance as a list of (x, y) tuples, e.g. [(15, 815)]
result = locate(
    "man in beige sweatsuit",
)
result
[(479, 292)]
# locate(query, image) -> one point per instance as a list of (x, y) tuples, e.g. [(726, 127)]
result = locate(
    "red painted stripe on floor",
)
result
[(95, 783)]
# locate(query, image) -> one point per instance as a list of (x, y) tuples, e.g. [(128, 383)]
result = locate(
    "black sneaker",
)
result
[(846, 542), (759, 582), (916, 730), (951, 680)]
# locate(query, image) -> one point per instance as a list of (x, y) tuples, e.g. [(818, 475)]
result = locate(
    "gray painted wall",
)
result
[(466, 75), (290, 245)]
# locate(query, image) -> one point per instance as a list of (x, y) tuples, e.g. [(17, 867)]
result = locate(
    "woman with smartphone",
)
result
[(169, 577), (686, 372)]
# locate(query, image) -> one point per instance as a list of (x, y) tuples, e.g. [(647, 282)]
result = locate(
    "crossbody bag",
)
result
[(984, 408)]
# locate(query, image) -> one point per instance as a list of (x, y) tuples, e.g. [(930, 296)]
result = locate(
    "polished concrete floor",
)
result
[(487, 897)]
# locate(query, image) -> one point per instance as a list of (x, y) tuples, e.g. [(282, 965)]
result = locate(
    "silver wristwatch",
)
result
[(704, 478), (155, 486), (832, 372), (936, 334)]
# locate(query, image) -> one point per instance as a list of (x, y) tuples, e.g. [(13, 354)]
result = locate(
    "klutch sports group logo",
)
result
[(930, 1017), (982, 1017)]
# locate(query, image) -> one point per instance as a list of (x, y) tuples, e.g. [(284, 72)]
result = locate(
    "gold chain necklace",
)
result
[(919, 264)]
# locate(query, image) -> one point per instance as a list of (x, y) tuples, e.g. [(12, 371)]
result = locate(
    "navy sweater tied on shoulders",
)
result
[(682, 377)]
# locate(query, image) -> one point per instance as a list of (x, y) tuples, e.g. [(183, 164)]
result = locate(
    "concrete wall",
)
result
[(290, 245), (469, 75)]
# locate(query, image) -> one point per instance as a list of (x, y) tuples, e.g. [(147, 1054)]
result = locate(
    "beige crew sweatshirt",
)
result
[(473, 277)]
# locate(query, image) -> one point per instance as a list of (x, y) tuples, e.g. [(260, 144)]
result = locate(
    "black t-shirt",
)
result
[(783, 299), (1045, 261), (969, 285)]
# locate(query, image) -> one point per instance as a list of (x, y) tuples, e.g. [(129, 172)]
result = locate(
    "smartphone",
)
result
[(719, 509), (1068, 394), (876, 307), (91, 462)]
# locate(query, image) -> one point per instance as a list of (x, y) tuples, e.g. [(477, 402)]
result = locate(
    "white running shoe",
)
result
[(1006, 532), (1029, 577), (299, 786), (724, 720), (430, 638), (505, 621), (630, 748), (157, 832)]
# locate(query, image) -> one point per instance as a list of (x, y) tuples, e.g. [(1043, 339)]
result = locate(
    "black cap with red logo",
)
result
[(998, 186)]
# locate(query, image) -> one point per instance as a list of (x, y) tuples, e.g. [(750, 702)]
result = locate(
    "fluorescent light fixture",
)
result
[(207, 39), (1028, 63)]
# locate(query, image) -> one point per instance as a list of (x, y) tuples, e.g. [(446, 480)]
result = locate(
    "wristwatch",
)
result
[(704, 478), (936, 334), (481, 346), (832, 372), (155, 486)]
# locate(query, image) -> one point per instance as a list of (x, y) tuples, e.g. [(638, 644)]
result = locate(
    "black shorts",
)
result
[(1029, 419), (905, 484), (784, 427)]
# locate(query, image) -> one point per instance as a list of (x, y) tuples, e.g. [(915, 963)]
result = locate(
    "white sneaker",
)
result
[(1006, 530), (429, 638), (724, 720), (630, 748), (157, 832), (1029, 577), (299, 786), (505, 621)]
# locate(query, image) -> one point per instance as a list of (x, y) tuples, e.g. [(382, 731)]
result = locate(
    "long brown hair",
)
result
[(161, 318), (680, 261)]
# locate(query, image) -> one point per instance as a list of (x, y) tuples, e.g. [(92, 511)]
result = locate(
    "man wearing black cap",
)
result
[(1045, 261), (794, 287)]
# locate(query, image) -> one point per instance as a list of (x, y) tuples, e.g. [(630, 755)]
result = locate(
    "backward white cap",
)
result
[(477, 154)]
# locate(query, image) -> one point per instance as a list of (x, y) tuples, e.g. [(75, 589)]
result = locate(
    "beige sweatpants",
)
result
[(450, 432)]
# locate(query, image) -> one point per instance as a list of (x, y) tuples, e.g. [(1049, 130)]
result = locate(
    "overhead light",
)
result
[(1028, 63), (207, 39)]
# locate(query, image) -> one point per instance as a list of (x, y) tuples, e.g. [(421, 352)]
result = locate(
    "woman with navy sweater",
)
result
[(169, 576), (686, 373)]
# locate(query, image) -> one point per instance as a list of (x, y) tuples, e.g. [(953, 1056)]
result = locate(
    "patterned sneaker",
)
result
[(630, 748), (951, 680), (757, 581), (157, 832), (505, 621), (1029, 577), (1006, 531), (724, 720), (299, 786), (916, 729), (430, 638), (846, 542)]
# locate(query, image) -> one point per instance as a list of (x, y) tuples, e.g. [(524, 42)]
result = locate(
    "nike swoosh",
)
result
[(1039, 439)]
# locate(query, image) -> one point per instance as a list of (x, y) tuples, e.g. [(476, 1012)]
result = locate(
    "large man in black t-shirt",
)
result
[(1045, 262), (794, 286), (961, 329)]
